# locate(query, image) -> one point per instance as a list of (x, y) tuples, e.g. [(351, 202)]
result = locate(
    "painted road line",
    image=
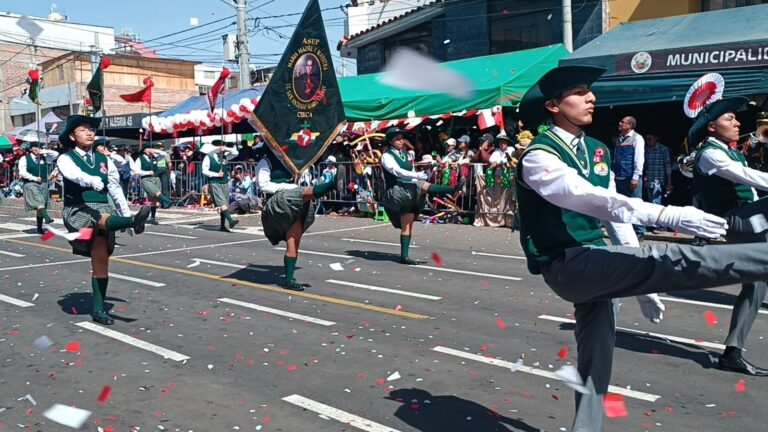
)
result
[(278, 312), (169, 235), (678, 339), (16, 235), (30, 266), (539, 372), (223, 264), (389, 290), (130, 340), (248, 230), (498, 255), (15, 255), (13, 301), (319, 253), (56, 221), (272, 288), (705, 304), (375, 242), (17, 227), (467, 272), (337, 414), (137, 280)]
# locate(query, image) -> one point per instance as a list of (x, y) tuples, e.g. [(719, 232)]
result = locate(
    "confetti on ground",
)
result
[(43, 342), (500, 323), (710, 318), (741, 386), (394, 376), (337, 267), (563, 353), (614, 405), (67, 415), (572, 378), (105, 394), (437, 258), (47, 236), (73, 347)]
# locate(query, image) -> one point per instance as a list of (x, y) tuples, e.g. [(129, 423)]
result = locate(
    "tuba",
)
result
[(761, 133)]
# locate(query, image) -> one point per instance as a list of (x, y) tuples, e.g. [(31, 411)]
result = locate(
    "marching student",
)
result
[(33, 170), (216, 168)]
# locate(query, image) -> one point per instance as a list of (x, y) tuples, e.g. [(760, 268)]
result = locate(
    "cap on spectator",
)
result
[(159, 145), (503, 137), (464, 139), (450, 142), (330, 159), (487, 138), (427, 159)]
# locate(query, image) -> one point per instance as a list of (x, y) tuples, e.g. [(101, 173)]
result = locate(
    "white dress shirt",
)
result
[(136, 166), (212, 151), (712, 162), (637, 171), (562, 186), (118, 160), (264, 179), (390, 164), (73, 173), (49, 155)]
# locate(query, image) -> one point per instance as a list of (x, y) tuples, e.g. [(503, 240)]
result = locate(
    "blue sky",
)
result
[(153, 19)]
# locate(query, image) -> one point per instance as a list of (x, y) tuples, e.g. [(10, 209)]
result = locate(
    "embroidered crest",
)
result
[(103, 168), (599, 155)]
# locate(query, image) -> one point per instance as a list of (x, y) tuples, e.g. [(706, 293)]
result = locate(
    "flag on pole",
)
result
[(144, 95), (33, 80), (490, 117), (217, 88), (300, 112), (96, 86)]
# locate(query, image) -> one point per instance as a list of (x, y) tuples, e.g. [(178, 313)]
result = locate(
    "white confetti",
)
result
[(43, 342), (517, 365), (572, 379), (67, 415), (394, 376), (194, 264), (337, 266), (210, 366), (35, 296)]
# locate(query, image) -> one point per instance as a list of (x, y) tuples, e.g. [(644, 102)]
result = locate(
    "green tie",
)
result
[(89, 159)]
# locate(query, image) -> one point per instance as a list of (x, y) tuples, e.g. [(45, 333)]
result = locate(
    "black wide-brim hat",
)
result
[(74, 121), (393, 132), (710, 113), (551, 85)]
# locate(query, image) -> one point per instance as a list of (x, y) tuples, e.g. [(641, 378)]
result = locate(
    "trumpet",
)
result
[(762, 127)]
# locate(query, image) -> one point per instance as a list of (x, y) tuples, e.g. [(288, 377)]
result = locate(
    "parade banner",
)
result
[(144, 95), (301, 111), (95, 87), (743, 55)]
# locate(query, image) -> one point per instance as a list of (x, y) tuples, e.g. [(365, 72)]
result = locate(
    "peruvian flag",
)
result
[(217, 88), (490, 117), (143, 95)]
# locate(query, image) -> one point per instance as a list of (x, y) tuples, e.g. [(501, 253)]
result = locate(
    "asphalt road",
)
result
[(205, 340)]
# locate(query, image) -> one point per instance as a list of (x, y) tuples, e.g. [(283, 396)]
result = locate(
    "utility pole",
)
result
[(567, 26), (33, 56), (244, 57)]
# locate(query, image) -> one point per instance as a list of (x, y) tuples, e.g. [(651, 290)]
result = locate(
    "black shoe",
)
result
[(140, 219), (40, 231), (294, 286), (234, 222), (408, 261), (102, 318), (49, 221), (224, 229), (740, 365), (153, 221)]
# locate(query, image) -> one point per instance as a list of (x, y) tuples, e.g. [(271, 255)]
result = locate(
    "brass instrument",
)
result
[(762, 127)]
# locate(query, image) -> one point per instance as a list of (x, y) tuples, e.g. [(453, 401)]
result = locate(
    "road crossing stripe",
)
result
[(130, 340), (223, 264), (706, 304), (539, 372), (169, 235), (29, 266), (678, 339), (16, 235), (15, 255), (498, 255), (137, 280), (389, 290), (278, 312), (17, 227), (14, 301), (337, 414), (376, 242)]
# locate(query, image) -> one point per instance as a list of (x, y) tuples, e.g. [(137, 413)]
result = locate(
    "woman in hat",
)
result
[(33, 170), (725, 186), (289, 211), (146, 166), (216, 169), (405, 190), (89, 177)]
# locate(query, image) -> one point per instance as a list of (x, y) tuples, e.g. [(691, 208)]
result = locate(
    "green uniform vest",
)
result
[(216, 166), (74, 194), (278, 172), (148, 164), (37, 169), (546, 230), (715, 194), (401, 157)]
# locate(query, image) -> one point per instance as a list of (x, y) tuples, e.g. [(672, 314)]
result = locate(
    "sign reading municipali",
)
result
[(693, 58)]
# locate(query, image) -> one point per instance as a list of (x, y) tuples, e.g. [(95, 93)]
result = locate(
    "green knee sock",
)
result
[(321, 189), (116, 223), (44, 214), (98, 293), (440, 189), (39, 223), (227, 216), (165, 200), (405, 244), (290, 267), (153, 212), (223, 217)]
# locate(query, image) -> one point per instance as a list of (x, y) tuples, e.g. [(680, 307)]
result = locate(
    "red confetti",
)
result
[(437, 258), (710, 318), (361, 376), (292, 368), (105, 394), (73, 347), (85, 234), (234, 284), (74, 310), (500, 323), (563, 353), (47, 236), (614, 407), (741, 386), (483, 347), (398, 308)]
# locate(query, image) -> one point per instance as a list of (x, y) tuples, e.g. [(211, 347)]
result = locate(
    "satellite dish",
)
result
[(707, 89)]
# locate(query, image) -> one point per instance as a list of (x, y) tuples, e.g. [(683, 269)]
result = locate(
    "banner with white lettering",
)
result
[(693, 59)]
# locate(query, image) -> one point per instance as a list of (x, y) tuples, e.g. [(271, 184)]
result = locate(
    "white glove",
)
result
[(652, 307), (690, 220), (97, 183), (422, 175)]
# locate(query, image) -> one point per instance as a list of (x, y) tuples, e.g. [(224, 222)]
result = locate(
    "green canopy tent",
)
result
[(5, 142), (499, 79), (657, 60)]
